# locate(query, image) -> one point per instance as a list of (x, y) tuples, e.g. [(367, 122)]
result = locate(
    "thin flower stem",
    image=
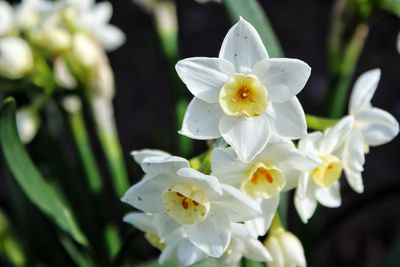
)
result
[(82, 143), (113, 151), (319, 123)]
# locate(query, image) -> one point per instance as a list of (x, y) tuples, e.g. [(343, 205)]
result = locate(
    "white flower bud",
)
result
[(285, 248), (27, 124), (15, 57), (7, 17), (84, 50)]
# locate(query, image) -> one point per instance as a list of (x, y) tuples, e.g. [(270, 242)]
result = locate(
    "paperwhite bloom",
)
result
[(202, 206), (15, 57), (273, 170), (285, 248), (322, 183), (244, 96), (94, 18), (176, 245), (372, 127), (244, 243)]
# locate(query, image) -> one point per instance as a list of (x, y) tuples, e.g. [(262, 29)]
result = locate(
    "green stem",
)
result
[(81, 139), (319, 123), (113, 151)]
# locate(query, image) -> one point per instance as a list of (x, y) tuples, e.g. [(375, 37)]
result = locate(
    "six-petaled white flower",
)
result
[(243, 95)]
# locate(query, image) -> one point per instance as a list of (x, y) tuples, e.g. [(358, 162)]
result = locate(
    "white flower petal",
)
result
[(247, 135), (269, 208), (207, 182), (243, 47), (293, 249), (329, 197), (353, 154), (7, 17), (163, 165), (201, 120), (166, 227), (110, 37), (226, 166), (355, 180), (188, 254), (213, 235), (146, 195), (288, 119), (274, 247), (256, 251), (334, 137), (284, 78), (169, 252), (377, 126), (363, 90), (311, 143), (142, 221), (16, 58), (237, 205), (102, 12), (140, 155), (304, 199), (204, 76)]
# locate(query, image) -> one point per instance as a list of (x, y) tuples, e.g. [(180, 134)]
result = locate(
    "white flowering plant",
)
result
[(228, 205)]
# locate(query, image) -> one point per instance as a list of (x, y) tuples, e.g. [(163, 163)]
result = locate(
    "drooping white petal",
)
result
[(7, 17), (293, 250), (146, 195), (226, 166), (329, 197), (363, 90), (377, 126), (243, 47), (237, 205), (213, 235), (269, 208), (140, 155), (205, 77), (284, 78), (355, 180), (163, 165), (311, 143), (288, 119), (334, 137), (256, 251), (102, 12), (304, 199), (247, 135), (142, 221), (353, 154), (201, 120), (188, 254), (169, 251), (110, 37), (206, 182)]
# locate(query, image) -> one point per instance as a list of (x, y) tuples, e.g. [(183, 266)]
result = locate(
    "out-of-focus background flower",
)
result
[(361, 232)]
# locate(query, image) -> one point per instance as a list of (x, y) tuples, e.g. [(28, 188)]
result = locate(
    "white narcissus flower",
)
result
[(372, 127), (273, 170), (322, 183), (243, 95), (175, 246), (16, 58), (199, 203), (7, 17), (94, 18), (244, 243), (285, 248)]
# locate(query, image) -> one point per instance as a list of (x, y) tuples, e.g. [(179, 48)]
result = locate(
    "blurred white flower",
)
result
[(244, 243), (198, 203), (7, 17), (28, 123), (322, 183), (16, 58), (285, 248), (273, 170), (244, 96)]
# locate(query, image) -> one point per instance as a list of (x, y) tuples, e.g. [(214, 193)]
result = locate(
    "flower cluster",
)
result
[(247, 103), (58, 45)]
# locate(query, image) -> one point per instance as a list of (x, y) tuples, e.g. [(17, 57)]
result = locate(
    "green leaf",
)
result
[(392, 6), (39, 191), (253, 12)]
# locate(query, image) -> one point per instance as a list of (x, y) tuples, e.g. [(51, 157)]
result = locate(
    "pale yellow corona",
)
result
[(186, 204), (243, 95), (328, 172), (263, 181)]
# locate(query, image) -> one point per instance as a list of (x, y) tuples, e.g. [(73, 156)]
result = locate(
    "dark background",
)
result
[(366, 226)]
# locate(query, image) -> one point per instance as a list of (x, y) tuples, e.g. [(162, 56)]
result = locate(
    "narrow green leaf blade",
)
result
[(253, 12), (40, 192)]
